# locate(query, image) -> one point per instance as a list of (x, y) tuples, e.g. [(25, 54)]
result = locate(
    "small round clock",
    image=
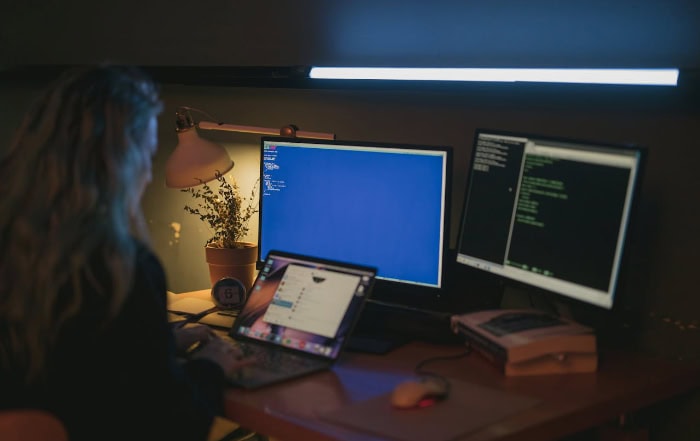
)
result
[(228, 293)]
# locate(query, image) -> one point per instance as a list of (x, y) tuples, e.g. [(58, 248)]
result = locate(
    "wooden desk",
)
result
[(567, 404)]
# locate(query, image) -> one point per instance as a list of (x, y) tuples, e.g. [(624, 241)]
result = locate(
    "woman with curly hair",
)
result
[(84, 332)]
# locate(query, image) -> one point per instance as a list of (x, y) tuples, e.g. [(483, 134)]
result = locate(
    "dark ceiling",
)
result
[(533, 33)]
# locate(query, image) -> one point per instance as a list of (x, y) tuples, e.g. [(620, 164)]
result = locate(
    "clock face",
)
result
[(228, 293)]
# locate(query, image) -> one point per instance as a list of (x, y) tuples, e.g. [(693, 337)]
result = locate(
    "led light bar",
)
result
[(644, 77)]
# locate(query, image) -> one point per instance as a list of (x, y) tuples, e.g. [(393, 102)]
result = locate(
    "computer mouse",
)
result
[(419, 393)]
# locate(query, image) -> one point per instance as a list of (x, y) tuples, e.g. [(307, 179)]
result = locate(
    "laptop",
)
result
[(298, 316)]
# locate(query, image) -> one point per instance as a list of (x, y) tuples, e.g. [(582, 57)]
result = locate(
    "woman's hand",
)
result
[(223, 353), (188, 336)]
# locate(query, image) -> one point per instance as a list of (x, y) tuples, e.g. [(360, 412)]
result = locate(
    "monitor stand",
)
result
[(375, 344), (516, 297), (384, 327)]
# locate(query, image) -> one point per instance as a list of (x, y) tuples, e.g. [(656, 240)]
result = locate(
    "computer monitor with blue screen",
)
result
[(550, 214), (373, 203)]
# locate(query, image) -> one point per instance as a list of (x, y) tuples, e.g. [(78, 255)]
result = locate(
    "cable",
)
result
[(419, 366), (420, 371), (192, 318)]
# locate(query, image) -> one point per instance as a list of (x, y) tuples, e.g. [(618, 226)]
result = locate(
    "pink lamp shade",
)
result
[(195, 160)]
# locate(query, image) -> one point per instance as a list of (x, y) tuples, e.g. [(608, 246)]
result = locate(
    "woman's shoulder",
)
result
[(144, 252), (148, 267)]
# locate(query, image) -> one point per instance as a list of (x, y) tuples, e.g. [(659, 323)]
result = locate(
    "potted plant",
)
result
[(227, 215)]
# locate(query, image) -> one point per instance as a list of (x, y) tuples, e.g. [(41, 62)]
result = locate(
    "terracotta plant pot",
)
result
[(233, 262)]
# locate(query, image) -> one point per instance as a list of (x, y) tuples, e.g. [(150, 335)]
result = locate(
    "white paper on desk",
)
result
[(187, 305), (190, 305), (193, 305)]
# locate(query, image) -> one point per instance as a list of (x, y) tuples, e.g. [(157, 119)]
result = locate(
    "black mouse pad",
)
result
[(468, 408)]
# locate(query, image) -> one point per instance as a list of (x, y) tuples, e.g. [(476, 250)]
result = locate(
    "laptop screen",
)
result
[(304, 303)]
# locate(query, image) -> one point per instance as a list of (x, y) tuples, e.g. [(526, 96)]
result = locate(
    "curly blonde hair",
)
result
[(70, 205)]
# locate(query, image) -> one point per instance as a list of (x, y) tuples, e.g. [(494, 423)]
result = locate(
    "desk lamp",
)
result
[(196, 160)]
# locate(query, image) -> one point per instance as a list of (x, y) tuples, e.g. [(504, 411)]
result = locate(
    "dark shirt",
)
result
[(124, 380)]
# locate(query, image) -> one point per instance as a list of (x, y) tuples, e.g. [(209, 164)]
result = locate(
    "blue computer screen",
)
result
[(369, 203)]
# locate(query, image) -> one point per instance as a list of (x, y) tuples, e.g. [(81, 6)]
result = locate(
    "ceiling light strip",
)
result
[(646, 77)]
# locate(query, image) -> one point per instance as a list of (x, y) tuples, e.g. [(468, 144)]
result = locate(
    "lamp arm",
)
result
[(208, 125), (289, 130)]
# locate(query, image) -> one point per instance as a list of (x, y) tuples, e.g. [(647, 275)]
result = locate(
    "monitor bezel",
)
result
[(504, 280), (388, 292)]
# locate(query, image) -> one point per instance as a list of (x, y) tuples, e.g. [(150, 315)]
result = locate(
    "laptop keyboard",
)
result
[(274, 360)]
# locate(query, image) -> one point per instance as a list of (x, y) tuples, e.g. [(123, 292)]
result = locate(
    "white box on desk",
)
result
[(560, 348)]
